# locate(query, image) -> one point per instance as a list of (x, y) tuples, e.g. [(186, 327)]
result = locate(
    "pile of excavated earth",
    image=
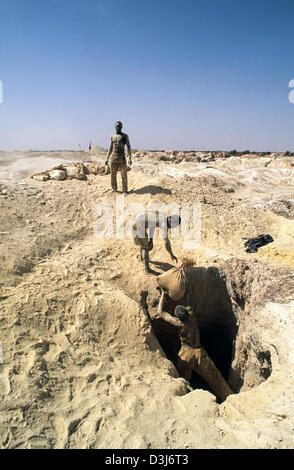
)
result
[(83, 366)]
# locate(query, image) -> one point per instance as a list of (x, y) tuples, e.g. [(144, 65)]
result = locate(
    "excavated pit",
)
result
[(241, 359)]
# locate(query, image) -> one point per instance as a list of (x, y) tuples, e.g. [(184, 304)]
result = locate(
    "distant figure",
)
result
[(90, 146), (192, 356), (149, 220), (116, 153)]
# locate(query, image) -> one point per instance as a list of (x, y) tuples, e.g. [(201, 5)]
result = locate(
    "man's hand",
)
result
[(174, 258)]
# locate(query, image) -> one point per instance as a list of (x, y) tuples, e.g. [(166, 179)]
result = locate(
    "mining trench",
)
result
[(231, 347)]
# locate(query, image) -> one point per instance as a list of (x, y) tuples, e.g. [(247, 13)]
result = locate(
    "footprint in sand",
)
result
[(4, 381), (28, 361), (61, 432)]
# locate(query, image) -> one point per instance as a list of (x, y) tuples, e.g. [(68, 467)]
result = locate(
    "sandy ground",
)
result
[(82, 367)]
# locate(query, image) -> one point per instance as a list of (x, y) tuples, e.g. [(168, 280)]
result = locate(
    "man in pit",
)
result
[(147, 221), (192, 356), (116, 154)]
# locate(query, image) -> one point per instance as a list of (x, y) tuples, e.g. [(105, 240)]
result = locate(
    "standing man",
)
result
[(116, 153)]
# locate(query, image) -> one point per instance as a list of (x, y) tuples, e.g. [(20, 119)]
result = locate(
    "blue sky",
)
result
[(179, 74)]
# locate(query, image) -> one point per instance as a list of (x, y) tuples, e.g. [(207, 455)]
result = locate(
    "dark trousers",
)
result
[(116, 166), (198, 360)]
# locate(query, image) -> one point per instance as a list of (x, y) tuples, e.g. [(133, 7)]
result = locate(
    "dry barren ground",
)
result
[(85, 367)]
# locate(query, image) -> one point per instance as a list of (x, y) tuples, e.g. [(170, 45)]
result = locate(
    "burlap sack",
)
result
[(76, 171), (97, 168), (173, 282), (58, 175), (40, 177)]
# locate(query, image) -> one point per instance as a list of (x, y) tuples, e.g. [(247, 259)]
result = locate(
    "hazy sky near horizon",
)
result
[(186, 74)]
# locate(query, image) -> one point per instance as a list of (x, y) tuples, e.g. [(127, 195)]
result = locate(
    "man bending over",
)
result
[(144, 228)]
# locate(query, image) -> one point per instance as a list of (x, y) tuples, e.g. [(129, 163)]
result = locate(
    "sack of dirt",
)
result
[(97, 168), (76, 171), (174, 281), (40, 177), (58, 175)]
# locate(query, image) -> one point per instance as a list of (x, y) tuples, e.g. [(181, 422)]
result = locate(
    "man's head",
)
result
[(181, 312), (173, 221), (118, 127)]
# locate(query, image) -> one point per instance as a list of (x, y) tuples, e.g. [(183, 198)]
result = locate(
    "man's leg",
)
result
[(205, 367), (146, 260), (124, 177), (184, 369), (113, 170)]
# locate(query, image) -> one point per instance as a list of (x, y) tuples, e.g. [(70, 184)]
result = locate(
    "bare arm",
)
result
[(150, 224), (129, 149), (109, 152), (166, 316), (168, 249)]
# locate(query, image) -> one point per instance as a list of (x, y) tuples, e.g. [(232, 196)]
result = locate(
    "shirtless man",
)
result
[(148, 221), (192, 356), (116, 154)]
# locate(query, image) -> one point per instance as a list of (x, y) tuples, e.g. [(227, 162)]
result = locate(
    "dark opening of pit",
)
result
[(218, 342)]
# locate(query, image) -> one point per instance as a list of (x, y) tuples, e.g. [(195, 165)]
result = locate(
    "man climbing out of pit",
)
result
[(116, 154), (148, 221), (192, 356)]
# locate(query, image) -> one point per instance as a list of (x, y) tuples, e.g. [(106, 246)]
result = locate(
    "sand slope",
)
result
[(82, 367)]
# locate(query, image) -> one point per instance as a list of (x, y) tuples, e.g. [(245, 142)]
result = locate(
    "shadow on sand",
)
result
[(152, 189)]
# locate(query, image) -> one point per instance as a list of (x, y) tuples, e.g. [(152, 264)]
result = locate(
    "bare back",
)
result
[(189, 332)]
